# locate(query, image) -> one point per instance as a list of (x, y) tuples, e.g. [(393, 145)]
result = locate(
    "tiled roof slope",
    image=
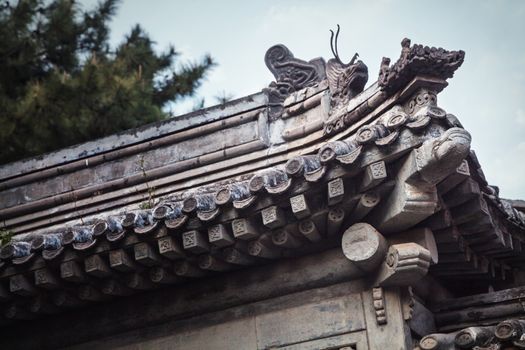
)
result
[(273, 175)]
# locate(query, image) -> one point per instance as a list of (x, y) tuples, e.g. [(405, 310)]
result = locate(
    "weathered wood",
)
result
[(219, 236), (461, 173), (159, 274), (462, 193), (186, 269), (439, 220), (406, 206), (4, 294), (262, 250), (422, 320), (437, 341), (195, 242), (334, 220), (308, 229), (17, 312), (473, 336), (284, 238), (42, 305), (474, 209), (211, 263), (422, 236), (139, 281), (405, 264), (121, 261), (510, 330), (66, 299), (115, 288), (236, 257), (90, 293), (364, 246), (366, 203), (474, 315)]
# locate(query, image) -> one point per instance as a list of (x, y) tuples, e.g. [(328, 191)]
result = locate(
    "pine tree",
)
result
[(61, 82)]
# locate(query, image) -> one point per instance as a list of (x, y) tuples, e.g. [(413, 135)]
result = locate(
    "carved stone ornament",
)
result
[(418, 60), (291, 74), (345, 80)]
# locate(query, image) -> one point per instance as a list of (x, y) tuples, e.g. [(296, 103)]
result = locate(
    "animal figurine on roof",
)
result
[(345, 80)]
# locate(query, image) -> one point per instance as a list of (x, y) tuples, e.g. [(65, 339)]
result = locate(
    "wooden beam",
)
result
[(364, 246), (309, 230)]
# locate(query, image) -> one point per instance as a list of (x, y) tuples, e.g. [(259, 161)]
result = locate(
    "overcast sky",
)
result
[(487, 93)]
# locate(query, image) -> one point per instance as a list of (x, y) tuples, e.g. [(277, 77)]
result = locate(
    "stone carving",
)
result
[(291, 74), (345, 80), (418, 60), (379, 305), (440, 157), (405, 264), (424, 97)]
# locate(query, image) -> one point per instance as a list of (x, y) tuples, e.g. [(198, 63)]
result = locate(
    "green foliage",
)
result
[(5, 237), (61, 83)]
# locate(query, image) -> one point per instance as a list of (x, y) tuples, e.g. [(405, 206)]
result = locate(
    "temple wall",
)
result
[(333, 317)]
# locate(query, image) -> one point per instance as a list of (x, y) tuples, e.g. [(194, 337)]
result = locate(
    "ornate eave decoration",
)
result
[(418, 60), (291, 74), (346, 80)]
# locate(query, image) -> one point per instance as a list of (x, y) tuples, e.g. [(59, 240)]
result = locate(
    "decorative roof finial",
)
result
[(335, 51)]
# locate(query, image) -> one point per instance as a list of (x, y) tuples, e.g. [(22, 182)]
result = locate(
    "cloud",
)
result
[(520, 119)]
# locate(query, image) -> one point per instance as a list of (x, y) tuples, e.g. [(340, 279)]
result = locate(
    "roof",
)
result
[(273, 175)]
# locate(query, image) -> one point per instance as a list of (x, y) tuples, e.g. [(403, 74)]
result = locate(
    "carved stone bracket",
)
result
[(415, 196), (418, 60), (291, 74), (399, 265), (405, 264)]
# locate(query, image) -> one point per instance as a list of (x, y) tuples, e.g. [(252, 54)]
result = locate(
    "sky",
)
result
[(487, 93)]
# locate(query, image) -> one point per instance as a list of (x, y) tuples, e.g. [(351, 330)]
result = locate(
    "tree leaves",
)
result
[(61, 83)]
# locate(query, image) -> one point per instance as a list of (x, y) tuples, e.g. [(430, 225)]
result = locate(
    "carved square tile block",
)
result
[(300, 206), (219, 236), (243, 229), (273, 217), (336, 191), (195, 242), (170, 248)]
